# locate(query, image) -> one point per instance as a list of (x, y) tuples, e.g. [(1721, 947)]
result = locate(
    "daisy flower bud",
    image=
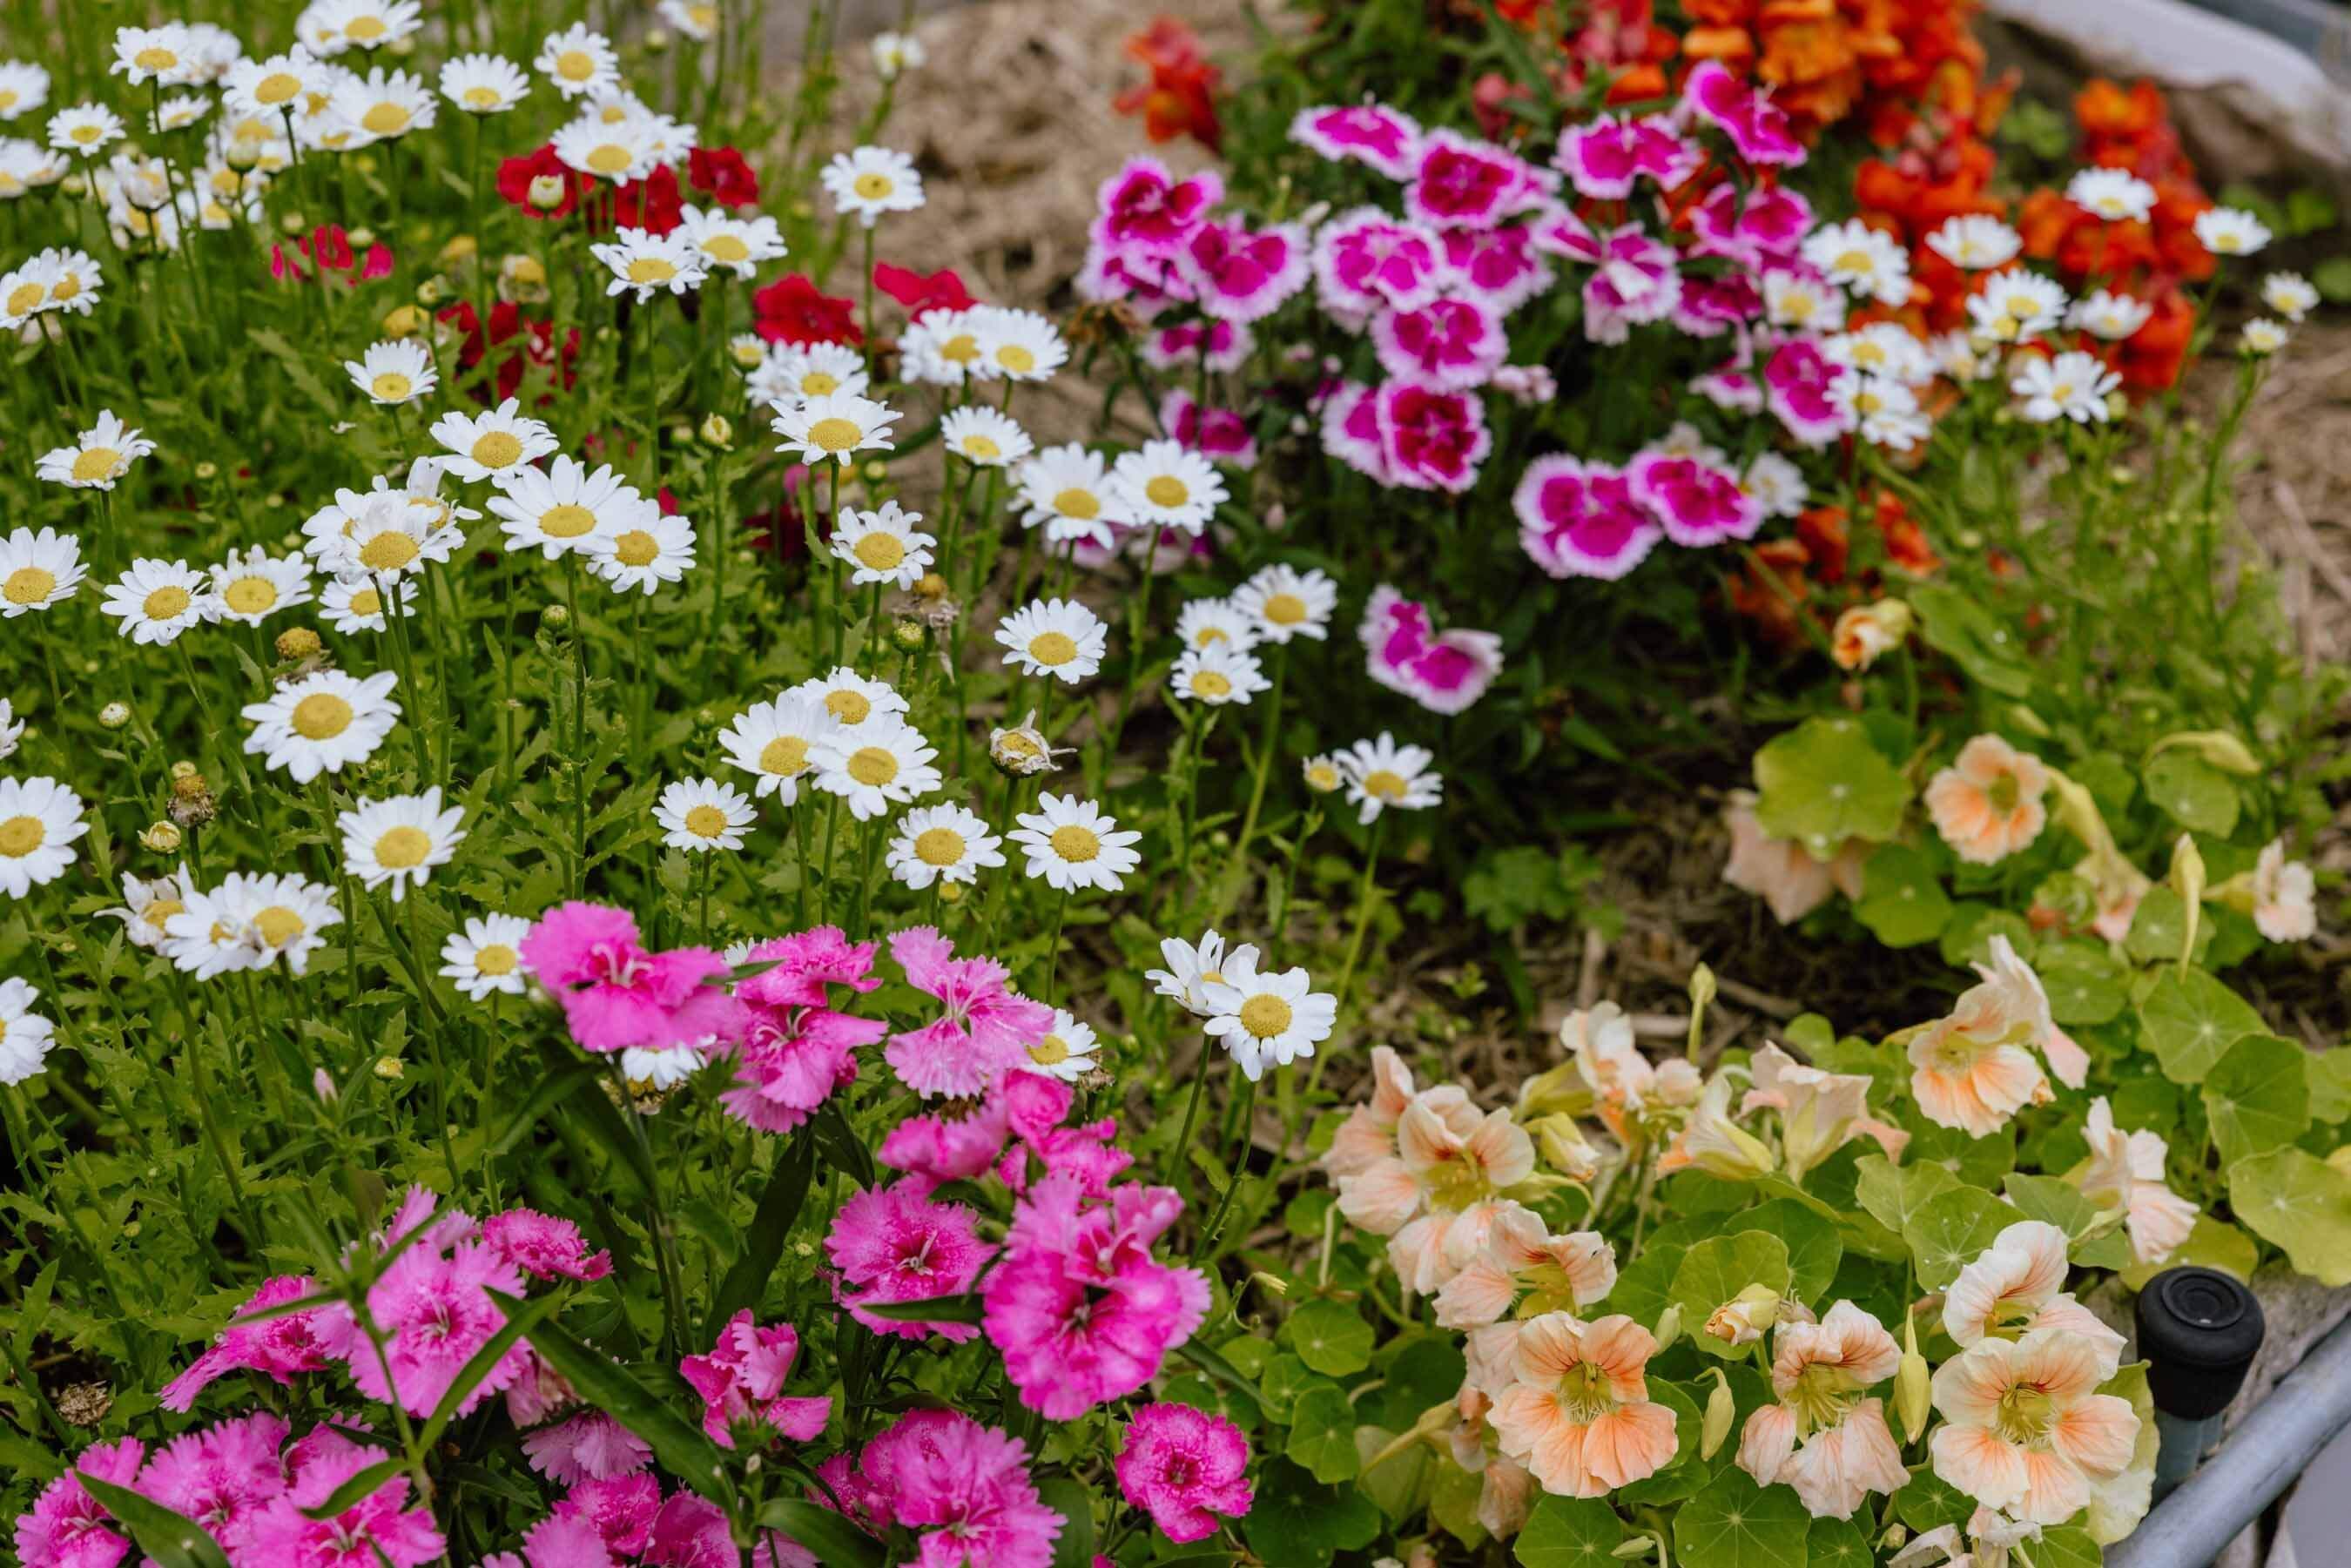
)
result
[(391, 1068), (1323, 774), (545, 192), (908, 634), (182, 768), (159, 837), (718, 432), (114, 715)]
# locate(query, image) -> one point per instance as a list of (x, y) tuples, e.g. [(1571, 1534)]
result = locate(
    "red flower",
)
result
[(721, 173), (506, 322), (920, 293), (1181, 97), (515, 174), (652, 203), (327, 249), (794, 310)]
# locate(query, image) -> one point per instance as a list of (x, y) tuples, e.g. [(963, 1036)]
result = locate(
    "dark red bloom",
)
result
[(327, 249), (922, 293), (721, 173), (652, 203), (781, 530), (515, 174), (794, 310), (506, 322)]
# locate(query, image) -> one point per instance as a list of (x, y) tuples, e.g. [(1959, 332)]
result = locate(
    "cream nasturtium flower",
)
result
[(2024, 1428), (1825, 1436)]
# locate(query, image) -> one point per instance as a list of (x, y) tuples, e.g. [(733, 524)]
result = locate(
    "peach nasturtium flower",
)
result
[(1987, 804), (1975, 1068), (2024, 1428), (2017, 1285), (1823, 1437), (2125, 1172), (1579, 1414)]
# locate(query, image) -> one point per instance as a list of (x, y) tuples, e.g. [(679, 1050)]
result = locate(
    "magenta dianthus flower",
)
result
[(66, 1528), (543, 1245), (1186, 1467), (963, 1489), (985, 1031), (893, 1244), (376, 1530), (281, 1346), (434, 1311), (742, 1379), (616, 994), (221, 1477)]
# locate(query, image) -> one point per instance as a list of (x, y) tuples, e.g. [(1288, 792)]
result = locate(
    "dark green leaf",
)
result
[(172, 1539), (836, 1542), (678, 1446), (763, 1244)]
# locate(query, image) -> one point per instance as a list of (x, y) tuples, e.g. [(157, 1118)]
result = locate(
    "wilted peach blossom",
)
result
[(1568, 1272), (1368, 1134), (2017, 1285), (2024, 1428), (1823, 1437), (1783, 872), (1579, 1414), (1865, 631), (1711, 1141), (2125, 1173), (1633, 1098), (1987, 804), (1819, 1112)]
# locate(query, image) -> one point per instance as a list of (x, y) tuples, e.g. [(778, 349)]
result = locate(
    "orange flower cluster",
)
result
[(1180, 99), (1829, 60), (1810, 574)]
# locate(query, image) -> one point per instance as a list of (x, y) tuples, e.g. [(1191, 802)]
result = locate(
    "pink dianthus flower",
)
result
[(893, 1244), (742, 1379), (66, 1528), (985, 1031), (1186, 1467), (615, 994)]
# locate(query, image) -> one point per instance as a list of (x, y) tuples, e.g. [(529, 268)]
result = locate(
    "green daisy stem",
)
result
[(1233, 1177)]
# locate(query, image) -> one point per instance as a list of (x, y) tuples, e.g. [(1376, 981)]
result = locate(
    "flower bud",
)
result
[(430, 292), (114, 715), (322, 1084), (459, 250), (207, 470), (1322, 774), (1744, 1319), (555, 615), (908, 634), (1912, 1386), (1566, 1149), (2216, 746), (718, 432), (931, 586), (747, 350), (1721, 1408), (1021, 751), (159, 837), (390, 1067), (1272, 1284), (297, 642), (2187, 880), (1669, 1326), (292, 224), (182, 768), (1867, 630), (545, 192), (405, 322), (950, 893)]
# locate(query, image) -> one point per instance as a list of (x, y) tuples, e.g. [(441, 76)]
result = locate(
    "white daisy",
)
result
[(652, 550), (2113, 317), (178, 112), (1217, 675), (2289, 294), (983, 438), (37, 570), (1883, 410), (1805, 304), (493, 445), (559, 509), (484, 84), (24, 89), (204, 938), (39, 820), (330, 27), (1282, 603), (649, 264), (1071, 843), (894, 54), (620, 151), (274, 917), (2262, 336), (579, 61), (156, 600), (1266, 1020), (342, 537), (1777, 482), (772, 742), (400, 841), (1192, 971), (2016, 305), (2072, 385), (12, 729), (274, 87), (322, 723), (485, 958), (1067, 1051), (882, 545), (25, 164), (356, 604), (1956, 355), (835, 426), (147, 905), (1214, 622), (663, 1068), (1167, 485), (1323, 774), (942, 349), (2230, 231), (697, 19), (84, 130), (1067, 491), (871, 181), (1882, 348), (1868, 263), (1975, 242), (163, 54), (882, 761), (1382, 775), (702, 814), (2117, 195), (25, 1035), (738, 244), (798, 372), (1018, 345), (384, 105), (215, 49), (942, 843), (97, 457), (393, 372), (252, 587), (73, 280), (1056, 637), (850, 699)]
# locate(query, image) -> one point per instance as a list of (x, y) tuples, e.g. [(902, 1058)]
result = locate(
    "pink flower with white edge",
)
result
[(1170, 348), (1580, 519), (1145, 210), (1146, 285), (1365, 260), (1432, 438), (1462, 182), (1532, 385), (1800, 387), (1697, 503), (1709, 307), (741, 1381), (1221, 435), (1635, 281), (1350, 430), (1444, 671), (1241, 275), (1499, 267), (1444, 343), (1768, 225), (1372, 134), (1557, 232), (1730, 387), (1603, 158), (1758, 129)]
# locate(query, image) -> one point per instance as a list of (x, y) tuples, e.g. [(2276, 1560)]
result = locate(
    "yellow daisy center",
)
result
[(20, 836), (24, 298), (86, 134), (1210, 683), (1167, 490), (637, 548), (366, 29), (481, 98), (152, 59), (566, 521), (879, 551), (835, 434), (497, 959), (95, 462), (961, 348), (981, 446), (250, 595), (727, 247), (651, 270), (819, 384), (1265, 1015), (1284, 609), (28, 585), (938, 846), (1384, 784), (322, 716), (609, 158), (1851, 261), (159, 911), (276, 88), (1016, 357), (278, 925), (165, 602), (391, 387), (705, 822), (575, 64), (872, 765), (872, 185), (366, 601), (1052, 649), (388, 551), (785, 757), (497, 448), (385, 119), (1075, 844), (1051, 1051), (848, 706), (1083, 505), (401, 848)]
